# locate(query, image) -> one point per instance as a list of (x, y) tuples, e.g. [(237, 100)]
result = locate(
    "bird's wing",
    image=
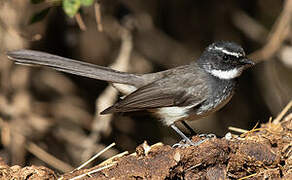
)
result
[(179, 90)]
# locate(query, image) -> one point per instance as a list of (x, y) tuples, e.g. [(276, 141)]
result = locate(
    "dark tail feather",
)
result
[(30, 57)]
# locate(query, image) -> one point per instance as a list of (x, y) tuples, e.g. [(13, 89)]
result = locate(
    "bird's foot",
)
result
[(181, 144), (187, 142), (184, 144), (207, 136)]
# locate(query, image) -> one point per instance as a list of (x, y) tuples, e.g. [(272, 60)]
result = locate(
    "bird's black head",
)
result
[(225, 60)]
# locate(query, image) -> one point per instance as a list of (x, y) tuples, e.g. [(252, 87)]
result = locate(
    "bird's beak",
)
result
[(247, 62)]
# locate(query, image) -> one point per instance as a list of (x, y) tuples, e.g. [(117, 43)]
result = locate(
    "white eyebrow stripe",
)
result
[(227, 52)]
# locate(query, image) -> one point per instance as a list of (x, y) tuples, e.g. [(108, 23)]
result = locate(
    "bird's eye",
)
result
[(225, 58)]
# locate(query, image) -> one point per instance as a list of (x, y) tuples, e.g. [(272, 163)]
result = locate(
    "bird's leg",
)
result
[(187, 140), (189, 128)]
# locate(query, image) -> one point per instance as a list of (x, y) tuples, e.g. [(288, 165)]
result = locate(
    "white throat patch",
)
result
[(227, 74), (225, 51)]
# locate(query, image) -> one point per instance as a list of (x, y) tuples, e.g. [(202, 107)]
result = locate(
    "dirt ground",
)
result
[(262, 153)]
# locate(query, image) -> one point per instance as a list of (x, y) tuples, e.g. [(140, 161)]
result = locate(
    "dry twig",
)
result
[(98, 16), (108, 97), (249, 26), (80, 22), (278, 34), (282, 113), (48, 158), (95, 156)]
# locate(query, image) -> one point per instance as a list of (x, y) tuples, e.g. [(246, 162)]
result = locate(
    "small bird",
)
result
[(187, 92)]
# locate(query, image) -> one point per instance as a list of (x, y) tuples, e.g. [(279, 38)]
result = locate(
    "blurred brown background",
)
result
[(57, 112)]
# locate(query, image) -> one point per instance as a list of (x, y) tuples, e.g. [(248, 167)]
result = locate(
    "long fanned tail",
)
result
[(30, 57)]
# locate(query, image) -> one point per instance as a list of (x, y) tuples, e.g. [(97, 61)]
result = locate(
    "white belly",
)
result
[(169, 115)]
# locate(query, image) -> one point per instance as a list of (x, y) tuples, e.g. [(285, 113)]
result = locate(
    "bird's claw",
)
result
[(183, 143), (207, 136)]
